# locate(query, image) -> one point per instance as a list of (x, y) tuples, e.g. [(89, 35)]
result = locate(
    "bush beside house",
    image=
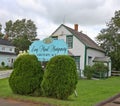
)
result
[(88, 72), (98, 70)]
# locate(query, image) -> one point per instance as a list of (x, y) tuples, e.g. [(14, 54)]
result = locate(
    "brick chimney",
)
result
[(76, 27)]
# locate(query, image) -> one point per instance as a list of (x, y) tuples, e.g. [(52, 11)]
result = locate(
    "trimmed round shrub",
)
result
[(26, 76), (60, 77)]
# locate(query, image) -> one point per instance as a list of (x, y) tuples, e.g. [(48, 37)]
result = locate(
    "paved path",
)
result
[(11, 102), (5, 74), (113, 101)]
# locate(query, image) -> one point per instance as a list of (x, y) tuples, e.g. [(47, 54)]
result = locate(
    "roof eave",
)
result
[(96, 49)]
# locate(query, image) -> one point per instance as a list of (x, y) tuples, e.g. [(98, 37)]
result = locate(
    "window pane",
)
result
[(55, 37), (69, 41)]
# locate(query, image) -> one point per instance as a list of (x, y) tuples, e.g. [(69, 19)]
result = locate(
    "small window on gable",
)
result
[(69, 41), (55, 37)]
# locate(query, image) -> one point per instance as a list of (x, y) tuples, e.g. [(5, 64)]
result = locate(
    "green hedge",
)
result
[(60, 77), (26, 76)]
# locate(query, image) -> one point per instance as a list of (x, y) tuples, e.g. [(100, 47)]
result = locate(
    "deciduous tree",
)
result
[(21, 28), (109, 39), (1, 34)]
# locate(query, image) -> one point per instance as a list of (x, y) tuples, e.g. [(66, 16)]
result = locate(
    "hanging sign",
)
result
[(46, 49)]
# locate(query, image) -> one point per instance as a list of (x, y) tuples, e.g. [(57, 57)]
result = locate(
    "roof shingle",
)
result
[(7, 53), (5, 42)]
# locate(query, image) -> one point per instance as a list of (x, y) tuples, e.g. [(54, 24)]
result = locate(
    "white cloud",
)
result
[(31, 6), (91, 15)]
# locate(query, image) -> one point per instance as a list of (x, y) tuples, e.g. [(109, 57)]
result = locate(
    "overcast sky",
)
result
[(90, 15)]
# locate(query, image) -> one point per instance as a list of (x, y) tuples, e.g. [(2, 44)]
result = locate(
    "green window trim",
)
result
[(69, 41)]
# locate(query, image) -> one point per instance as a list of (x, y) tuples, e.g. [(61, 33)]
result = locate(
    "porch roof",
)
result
[(102, 59)]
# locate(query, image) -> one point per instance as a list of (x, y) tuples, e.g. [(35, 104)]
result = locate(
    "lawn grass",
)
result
[(89, 92)]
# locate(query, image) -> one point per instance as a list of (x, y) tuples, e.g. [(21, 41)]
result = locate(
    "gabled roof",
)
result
[(83, 38), (5, 42)]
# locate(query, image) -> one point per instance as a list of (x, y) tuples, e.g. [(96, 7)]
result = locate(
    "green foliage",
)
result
[(5, 68), (21, 28), (0, 27), (115, 57), (100, 69), (21, 33), (2, 63), (90, 92), (26, 76), (88, 72), (21, 44), (109, 39), (1, 34), (60, 77)]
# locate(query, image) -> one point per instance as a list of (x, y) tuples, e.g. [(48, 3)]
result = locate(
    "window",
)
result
[(55, 37), (10, 49), (8, 59), (3, 48), (12, 60), (69, 41), (89, 60)]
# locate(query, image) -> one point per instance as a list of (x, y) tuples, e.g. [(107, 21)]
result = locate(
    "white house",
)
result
[(7, 52), (84, 50)]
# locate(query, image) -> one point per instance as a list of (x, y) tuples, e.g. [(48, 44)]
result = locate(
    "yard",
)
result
[(89, 92)]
